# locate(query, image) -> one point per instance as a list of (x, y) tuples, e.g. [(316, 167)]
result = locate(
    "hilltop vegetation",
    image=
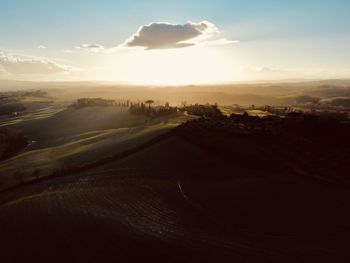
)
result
[(309, 145)]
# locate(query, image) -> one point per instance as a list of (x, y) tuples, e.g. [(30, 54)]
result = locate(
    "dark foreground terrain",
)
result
[(235, 189)]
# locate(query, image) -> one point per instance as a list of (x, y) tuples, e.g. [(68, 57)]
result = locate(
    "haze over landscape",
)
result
[(174, 131), (182, 42)]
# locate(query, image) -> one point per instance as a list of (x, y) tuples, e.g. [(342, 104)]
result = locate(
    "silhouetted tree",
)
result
[(149, 102)]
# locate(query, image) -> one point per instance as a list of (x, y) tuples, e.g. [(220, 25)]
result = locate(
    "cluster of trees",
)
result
[(99, 102), (142, 108), (280, 111), (11, 141), (295, 122), (93, 102), (123, 104), (145, 108), (317, 145), (208, 111)]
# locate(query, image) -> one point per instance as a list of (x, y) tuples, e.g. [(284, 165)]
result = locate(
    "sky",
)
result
[(174, 42)]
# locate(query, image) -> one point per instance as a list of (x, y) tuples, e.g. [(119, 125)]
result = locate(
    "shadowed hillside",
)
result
[(212, 189)]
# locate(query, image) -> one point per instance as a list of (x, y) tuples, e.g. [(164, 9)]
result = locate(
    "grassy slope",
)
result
[(37, 108), (76, 137), (70, 122)]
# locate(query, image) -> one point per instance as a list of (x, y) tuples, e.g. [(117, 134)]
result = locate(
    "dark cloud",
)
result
[(166, 36)]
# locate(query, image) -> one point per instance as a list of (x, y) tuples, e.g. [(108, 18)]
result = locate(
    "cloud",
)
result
[(268, 74), (162, 35), (167, 36), (26, 65), (220, 42), (41, 47), (67, 51), (91, 47)]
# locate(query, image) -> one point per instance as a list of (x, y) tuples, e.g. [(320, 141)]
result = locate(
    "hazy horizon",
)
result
[(174, 43)]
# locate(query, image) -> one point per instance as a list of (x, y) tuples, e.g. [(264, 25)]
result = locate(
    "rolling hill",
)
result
[(177, 200)]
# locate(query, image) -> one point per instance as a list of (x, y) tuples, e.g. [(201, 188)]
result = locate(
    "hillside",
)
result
[(76, 137), (181, 197)]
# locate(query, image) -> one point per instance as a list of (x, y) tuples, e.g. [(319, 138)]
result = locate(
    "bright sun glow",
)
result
[(176, 67)]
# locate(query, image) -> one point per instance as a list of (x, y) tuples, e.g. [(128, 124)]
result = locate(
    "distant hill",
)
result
[(274, 93)]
